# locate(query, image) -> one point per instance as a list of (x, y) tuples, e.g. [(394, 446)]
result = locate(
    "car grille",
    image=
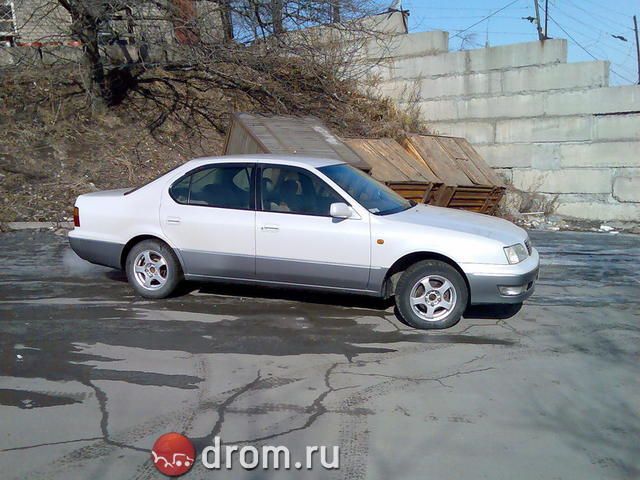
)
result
[(527, 243)]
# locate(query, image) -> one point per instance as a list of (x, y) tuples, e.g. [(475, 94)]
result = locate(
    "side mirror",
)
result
[(340, 210)]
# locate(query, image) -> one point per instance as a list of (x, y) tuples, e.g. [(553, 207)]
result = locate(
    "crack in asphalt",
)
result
[(102, 398), (49, 444), (501, 323), (104, 420), (316, 410), (222, 408), (420, 379)]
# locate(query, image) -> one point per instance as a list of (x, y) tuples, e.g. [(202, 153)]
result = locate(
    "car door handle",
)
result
[(270, 228), (173, 220)]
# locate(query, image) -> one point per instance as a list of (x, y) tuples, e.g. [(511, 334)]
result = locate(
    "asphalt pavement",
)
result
[(91, 375)]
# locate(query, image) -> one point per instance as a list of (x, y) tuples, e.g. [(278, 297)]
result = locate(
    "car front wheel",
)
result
[(153, 269), (431, 295)]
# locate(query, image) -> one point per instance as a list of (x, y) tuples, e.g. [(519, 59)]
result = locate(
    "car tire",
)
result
[(431, 295), (153, 269)]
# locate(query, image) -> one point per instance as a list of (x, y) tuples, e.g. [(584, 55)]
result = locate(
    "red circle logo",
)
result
[(173, 454)]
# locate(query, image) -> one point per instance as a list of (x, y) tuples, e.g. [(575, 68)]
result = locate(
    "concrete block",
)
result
[(397, 90), (627, 189), (544, 129), (513, 106), (518, 80), (411, 45), (383, 71), (506, 174), (570, 180), (6, 58), (547, 160), (462, 85), (516, 155), (596, 100), (475, 132), (359, 30), (599, 211), (482, 60), (554, 77), (551, 156), (383, 23), (617, 127), (400, 91), (439, 110), (605, 154)]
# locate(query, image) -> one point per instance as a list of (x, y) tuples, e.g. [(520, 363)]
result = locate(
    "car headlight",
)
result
[(515, 253)]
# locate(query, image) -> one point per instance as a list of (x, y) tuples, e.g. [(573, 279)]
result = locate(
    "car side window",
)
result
[(180, 190), (218, 186), (292, 190)]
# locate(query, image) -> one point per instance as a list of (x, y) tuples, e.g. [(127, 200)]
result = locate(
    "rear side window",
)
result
[(180, 190), (220, 186)]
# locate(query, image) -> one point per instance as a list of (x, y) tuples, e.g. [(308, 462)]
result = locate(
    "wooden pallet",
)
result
[(470, 184), (392, 165), (390, 162), (419, 192)]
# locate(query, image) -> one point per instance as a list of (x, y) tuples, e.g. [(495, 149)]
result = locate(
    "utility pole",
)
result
[(546, 18), (540, 34), (635, 28)]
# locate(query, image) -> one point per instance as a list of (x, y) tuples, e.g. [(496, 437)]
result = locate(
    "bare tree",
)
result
[(226, 19), (277, 17), (85, 18), (335, 11), (123, 39)]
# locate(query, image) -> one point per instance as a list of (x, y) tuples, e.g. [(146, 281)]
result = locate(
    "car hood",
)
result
[(461, 221)]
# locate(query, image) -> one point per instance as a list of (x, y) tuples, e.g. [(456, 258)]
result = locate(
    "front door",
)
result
[(298, 242), (209, 215)]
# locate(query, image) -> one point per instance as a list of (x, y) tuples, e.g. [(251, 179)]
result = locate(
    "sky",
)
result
[(589, 26)]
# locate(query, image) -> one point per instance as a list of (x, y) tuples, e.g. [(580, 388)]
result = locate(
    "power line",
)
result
[(486, 18), (588, 25), (457, 17), (601, 17), (598, 43), (467, 8), (600, 38), (608, 8), (583, 48)]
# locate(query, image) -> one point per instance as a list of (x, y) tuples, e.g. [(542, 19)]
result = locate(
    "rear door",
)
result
[(209, 215), (298, 242)]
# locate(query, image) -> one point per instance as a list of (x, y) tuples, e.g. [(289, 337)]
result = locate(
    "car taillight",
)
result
[(76, 217)]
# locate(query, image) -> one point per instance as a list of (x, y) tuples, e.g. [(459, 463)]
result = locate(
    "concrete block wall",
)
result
[(41, 21), (548, 126)]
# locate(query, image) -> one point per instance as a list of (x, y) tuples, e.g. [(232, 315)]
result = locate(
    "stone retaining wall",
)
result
[(549, 126)]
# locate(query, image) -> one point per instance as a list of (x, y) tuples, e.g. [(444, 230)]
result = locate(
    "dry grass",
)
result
[(53, 146)]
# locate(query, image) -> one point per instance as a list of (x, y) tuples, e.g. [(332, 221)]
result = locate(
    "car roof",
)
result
[(294, 160)]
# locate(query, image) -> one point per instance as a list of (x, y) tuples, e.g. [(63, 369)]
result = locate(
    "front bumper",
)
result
[(485, 280)]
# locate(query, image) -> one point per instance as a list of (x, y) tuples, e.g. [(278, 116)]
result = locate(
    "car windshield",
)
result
[(371, 194)]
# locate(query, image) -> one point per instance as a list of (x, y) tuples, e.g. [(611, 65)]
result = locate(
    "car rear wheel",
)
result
[(431, 295), (153, 269)]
